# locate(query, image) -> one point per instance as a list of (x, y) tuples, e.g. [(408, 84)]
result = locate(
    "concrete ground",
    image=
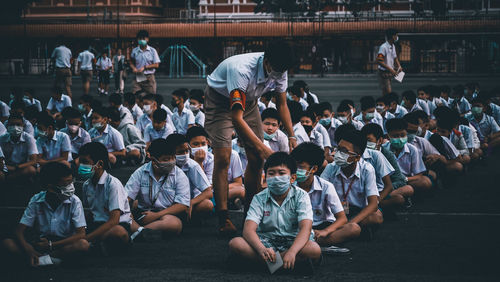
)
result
[(450, 235)]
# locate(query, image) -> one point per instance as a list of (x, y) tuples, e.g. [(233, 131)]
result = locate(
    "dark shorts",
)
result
[(104, 77), (86, 75), (94, 225), (322, 226), (63, 77)]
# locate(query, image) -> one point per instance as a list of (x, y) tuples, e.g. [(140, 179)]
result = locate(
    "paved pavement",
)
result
[(449, 235)]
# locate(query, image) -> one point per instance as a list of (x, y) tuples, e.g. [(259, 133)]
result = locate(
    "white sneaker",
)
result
[(56, 261), (333, 250)]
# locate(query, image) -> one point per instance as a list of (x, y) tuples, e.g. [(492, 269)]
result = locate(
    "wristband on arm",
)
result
[(237, 97)]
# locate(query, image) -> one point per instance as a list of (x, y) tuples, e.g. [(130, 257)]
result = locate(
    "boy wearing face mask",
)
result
[(52, 145), (149, 106), (382, 107), (85, 108), (19, 107), (393, 105), (355, 182), (308, 121), (196, 106), (487, 128), (132, 139), (200, 186), (107, 135), (159, 128), (58, 101), (182, 117), (344, 115), (144, 61), (268, 229), (409, 101), (296, 95), (77, 135), (328, 121), (296, 113), (409, 158), (162, 191), (445, 128), (402, 191), (368, 112), (115, 101), (329, 219), (197, 138), (57, 218), (277, 140), (388, 62), (106, 198), (131, 105), (19, 149)]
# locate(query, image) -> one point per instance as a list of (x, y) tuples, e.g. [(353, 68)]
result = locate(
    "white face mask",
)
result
[(340, 158), (202, 148), (380, 109), (73, 128), (371, 145), (181, 160), (147, 109), (343, 120), (194, 108)]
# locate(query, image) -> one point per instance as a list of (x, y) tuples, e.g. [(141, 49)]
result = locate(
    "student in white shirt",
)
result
[(382, 106), (388, 62), (104, 66), (182, 117), (52, 145), (85, 67), (58, 101), (368, 113), (132, 139), (57, 218), (161, 189), (106, 198), (487, 128), (266, 99), (393, 105), (425, 101), (329, 122), (196, 105), (409, 101), (115, 101), (159, 128), (345, 115), (29, 97), (296, 95), (107, 135), (19, 108), (197, 139), (144, 61), (85, 108), (296, 113), (62, 59), (149, 106), (4, 111), (276, 139), (129, 103), (308, 120), (309, 97), (77, 135)]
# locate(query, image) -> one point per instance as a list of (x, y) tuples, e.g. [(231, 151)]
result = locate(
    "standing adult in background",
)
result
[(388, 62), (119, 67), (85, 66), (231, 103), (104, 66), (62, 60), (144, 61)]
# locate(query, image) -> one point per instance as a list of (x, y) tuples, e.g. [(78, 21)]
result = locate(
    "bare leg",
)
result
[(222, 158), (253, 176), (236, 191), (347, 232), (420, 183), (202, 208), (167, 223), (240, 247), (79, 246)]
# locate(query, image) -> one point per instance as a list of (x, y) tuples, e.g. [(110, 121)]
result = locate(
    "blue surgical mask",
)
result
[(341, 159), (399, 143), (278, 185), (302, 175), (477, 111), (325, 122), (269, 136), (369, 116), (343, 120), (85, 171), (142, 42), (411, 137), (15, 130), (81, 108)]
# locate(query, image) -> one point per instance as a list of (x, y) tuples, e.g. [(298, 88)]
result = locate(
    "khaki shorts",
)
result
[(384, 81), (218, 122), (86, 75), (63, 77), (148, 85)]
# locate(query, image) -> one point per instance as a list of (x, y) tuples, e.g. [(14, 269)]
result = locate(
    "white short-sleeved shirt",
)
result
[(28, 127), (199, 118), (20, 151), (486, 126), (110, 137), (415, 107), (54, 147), (85, 59), (136, 112), (144, 187), (495, 112), (409, 160), (378, 119), (183, 120), (61, 222), (458, 140), (316, 138), (279, 143), (125, 115), (4, 109), (103, 63), (58, 106), (3, 129), (451, 152), (364, 185), (142, 122), (145, 57), (198, 180), (108, 195), (324, 133), (334, 124), (388, 51), (380, 164), (241, 152), (81, 138), (425, 105), (274, 220), (62, 55), (246, 73), (34, 102), (324, 201), (235, 167), (424, 147), (300, 133), (150, 133), (208, 166)]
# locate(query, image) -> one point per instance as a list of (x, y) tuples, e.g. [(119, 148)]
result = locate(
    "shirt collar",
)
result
[(102, 180), (356, 172), (89, 114), (291, 193), (42, 198), (106, 130), (148, 48), (366, 154), (261, 76), (316, 186)]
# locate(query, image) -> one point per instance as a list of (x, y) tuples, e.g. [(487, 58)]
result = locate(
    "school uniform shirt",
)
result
[(132, 138), (87, 120), (424, 147), (18, 152), (387, 51), (316, 138), (27, 127), (385, 117), (110, 137), (150, 133), (235, 167), (136, 112), (495, 112), (3, 129), (261, 106), (199, 118), (314, 96), (377, 119), (61, 222), (475, 137), (324, 133), (303, 103), (54, 147), (425, 106), (142, 122), (275, 221), (300, 133), (334, 124), (409, 160), (241, 152), (81, 138), (400, 111), (363, 179), (380, 164), (397, 178), (125, 115), (463, 106), (62, 55), (168, 190), (458, 140), (428, 134), (183, 120), (198, 181), (415, 107), (208, 166), (485, 127), (4, 109), (450, 151), (103, 63), (58, 106), (145, 57), (85, 59), (108, 195), (33, 102), (324, 201), (246, 73), (279, 143)]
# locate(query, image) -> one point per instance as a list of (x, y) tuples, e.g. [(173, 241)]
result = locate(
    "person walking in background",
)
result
[(62, 59), (388, 62), (104, 66), (144, 61), (119, 68), (85, 66)]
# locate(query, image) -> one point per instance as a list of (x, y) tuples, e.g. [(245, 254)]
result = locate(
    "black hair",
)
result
[(367, 102), (114, 114), (16, 116), (195, 131), (356, 139), (181, 93), (458, 90), (344, 107), (197, 95), (440, 111), (30, 91), (447, 122), (176, 139), (410, 96), (411, 118), (102, 111), (445, 89), (115, 99), (150, 97), (294, 90), (382, 99), (310, 153), (295, 111), (161, 147), (339, 132), (46, 120), (129, 98), (31, 112), (159, 115), (325, 106), (478, 100), (57, 90), (269, 95), (390, 32), (142, 34), (270, 113), (396, 124), (69, 113), (279, 159), (52, 173), (421, 115), (302, 84), (16, 104), (159, 99), (86, 99), (280, 55), (315, 109), (392, 97), (310, 114), (372, 128), (97, 152)]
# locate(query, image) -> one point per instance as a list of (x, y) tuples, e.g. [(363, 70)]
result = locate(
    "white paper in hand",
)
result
[(399, 77), (273, 266), (44, 260), (140, 77)]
